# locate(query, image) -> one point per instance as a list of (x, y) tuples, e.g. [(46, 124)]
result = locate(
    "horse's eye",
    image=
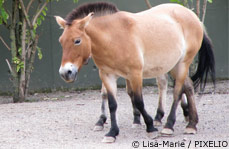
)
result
[(77, 41)]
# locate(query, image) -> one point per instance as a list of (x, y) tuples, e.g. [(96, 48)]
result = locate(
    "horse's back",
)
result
[(165, 34), (170, 17)]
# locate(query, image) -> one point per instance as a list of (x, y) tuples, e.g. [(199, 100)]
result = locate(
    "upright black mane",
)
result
[(99, 9)]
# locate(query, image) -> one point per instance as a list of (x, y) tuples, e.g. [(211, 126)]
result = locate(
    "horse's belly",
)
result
[(157, 66), (153, 72)]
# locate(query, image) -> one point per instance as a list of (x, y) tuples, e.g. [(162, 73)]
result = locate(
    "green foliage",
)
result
[(177, 1), (183, 2), (3, 14), (19, 63), (16, 60), (20, 51), (41, 17), (20, 66), (44, 11), (39, 53)]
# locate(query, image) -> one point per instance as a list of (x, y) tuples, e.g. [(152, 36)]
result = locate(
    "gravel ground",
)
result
[(66, 120)]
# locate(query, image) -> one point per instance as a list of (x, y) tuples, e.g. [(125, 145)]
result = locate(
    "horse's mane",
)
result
[(99, 9)]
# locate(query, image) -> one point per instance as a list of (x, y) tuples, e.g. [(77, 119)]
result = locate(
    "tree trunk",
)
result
[(31, 59), (22, 80), (148, 4), (198, 8), (204, 10), (18, 77), (14, 51)]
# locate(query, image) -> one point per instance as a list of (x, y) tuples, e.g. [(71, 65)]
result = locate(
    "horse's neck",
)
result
[(95, 31)]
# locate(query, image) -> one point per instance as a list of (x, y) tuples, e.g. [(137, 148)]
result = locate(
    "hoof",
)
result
[(138, 126), (98, 128), (157, 123), (190, 131), (152, 135), (108, 139), (167, 131)]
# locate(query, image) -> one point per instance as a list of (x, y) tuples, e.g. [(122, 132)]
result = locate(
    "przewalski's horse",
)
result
[(134, 46)]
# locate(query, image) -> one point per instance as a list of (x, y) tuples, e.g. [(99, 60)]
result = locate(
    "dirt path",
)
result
[(66, 120)]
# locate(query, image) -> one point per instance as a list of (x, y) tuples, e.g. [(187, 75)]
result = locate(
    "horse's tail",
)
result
[(206, 64)]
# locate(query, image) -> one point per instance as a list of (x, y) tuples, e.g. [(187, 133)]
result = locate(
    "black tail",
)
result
[(206, 64)]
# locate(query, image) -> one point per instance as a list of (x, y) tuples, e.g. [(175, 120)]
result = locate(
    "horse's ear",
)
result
[(60, 21), (85, 21)]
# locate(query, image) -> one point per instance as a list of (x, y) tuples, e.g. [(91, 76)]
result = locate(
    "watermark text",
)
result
[(180, 144)]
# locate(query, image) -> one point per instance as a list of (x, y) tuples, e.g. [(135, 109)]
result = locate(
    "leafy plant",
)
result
[(22, 25)]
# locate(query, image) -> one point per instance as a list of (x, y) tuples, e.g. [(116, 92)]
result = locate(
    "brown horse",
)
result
[(134, 46)]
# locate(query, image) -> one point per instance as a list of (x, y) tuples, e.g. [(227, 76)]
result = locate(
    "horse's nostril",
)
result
[(69, 72)]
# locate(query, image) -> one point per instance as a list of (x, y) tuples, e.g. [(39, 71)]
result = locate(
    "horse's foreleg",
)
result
[(103, 117), (192, 111), (162, 83), (136, 112), (136, 86), (111, 87)]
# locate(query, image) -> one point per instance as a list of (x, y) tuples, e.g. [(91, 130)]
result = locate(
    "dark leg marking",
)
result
[(136, 112), (172, 115), (159, 115), (101, 121), (103, 117), (138, 102), (114, 130), (136, 116), (193, 116)]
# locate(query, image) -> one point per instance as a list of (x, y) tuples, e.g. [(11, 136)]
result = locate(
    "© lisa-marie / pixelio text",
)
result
[(180, 144)]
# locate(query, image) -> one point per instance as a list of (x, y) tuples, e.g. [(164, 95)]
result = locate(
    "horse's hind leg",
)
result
[(179, 73), (136, 112), (162, 83), (192, 111), (103, 117)]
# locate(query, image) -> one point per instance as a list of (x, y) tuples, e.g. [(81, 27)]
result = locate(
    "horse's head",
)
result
[(76, 47)]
